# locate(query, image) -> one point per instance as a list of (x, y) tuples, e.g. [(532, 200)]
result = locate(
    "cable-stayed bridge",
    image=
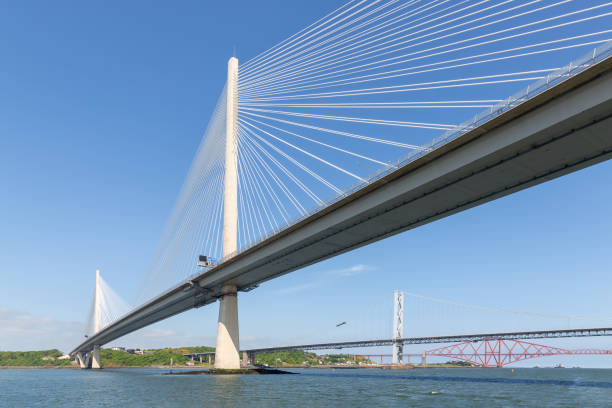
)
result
[(353, 130)]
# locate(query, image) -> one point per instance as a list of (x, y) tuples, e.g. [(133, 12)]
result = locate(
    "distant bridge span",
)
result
[(560, 130), (526, 335)]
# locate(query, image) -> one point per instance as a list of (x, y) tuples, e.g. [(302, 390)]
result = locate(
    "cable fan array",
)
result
[(106, 307), (195, 224), (359, 92), (376, 81)]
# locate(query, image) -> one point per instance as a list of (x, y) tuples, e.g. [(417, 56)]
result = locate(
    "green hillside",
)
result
[(117, 358), (43, 358)]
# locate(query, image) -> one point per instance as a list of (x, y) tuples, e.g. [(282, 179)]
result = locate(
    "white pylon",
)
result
[(96, 363), (97, 315), (228, 344), (230, 182)]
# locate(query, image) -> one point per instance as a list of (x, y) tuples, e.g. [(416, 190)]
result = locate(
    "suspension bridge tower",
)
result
[(228, 344), (398, 326)]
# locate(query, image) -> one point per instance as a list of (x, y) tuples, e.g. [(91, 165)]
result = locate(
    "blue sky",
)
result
[(102, 106)]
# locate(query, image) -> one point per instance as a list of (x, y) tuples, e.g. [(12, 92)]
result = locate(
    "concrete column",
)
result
[(251, 358), (96, 363), (82, 360), (245, 359), (423, 360), (226, 354), (228, 344), (209, 359)]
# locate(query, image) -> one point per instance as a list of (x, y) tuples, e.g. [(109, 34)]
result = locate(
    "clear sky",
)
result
[(102, 106)]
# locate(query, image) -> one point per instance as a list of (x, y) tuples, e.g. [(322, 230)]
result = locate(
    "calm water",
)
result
[(415, 388)]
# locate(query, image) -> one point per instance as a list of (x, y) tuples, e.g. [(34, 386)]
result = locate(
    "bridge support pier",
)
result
[(227, 354), (398, 327), (423, 360), (83, 360), (96, 363), (251, 359), (398, 350)]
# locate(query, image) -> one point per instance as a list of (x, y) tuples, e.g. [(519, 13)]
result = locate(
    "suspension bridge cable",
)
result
[(495, 309)]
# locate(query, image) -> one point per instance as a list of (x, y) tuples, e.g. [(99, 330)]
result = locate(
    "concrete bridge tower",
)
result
[(92, 360), (97, 322), (228, 343)]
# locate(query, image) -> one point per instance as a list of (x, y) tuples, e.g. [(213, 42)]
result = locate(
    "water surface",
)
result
[(438, 387)]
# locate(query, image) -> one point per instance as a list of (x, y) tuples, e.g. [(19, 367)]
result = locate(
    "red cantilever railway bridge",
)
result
[(498, 352), (486, 350)]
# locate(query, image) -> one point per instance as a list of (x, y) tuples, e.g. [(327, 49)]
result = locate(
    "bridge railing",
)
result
[(598, 54)]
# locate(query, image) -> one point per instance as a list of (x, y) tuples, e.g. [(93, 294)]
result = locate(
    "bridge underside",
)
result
[(563, 129)]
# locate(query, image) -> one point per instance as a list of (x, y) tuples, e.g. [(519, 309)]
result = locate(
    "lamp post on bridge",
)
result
[(228, 344)]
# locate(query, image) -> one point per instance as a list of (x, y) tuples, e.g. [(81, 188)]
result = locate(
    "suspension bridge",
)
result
[(332, 139), (494, 349), (484, 349)]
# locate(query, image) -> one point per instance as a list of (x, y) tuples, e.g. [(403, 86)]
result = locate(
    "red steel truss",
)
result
[(498, 352)]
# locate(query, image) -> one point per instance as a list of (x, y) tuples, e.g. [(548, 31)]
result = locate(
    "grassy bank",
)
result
[(154, 357), (42, 358), (163, 357)]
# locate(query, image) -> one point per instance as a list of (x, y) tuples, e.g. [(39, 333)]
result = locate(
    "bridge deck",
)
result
[(561, 130)]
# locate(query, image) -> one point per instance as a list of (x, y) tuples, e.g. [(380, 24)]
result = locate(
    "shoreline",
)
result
[(182, 367), (78, 368), (37, 367)]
